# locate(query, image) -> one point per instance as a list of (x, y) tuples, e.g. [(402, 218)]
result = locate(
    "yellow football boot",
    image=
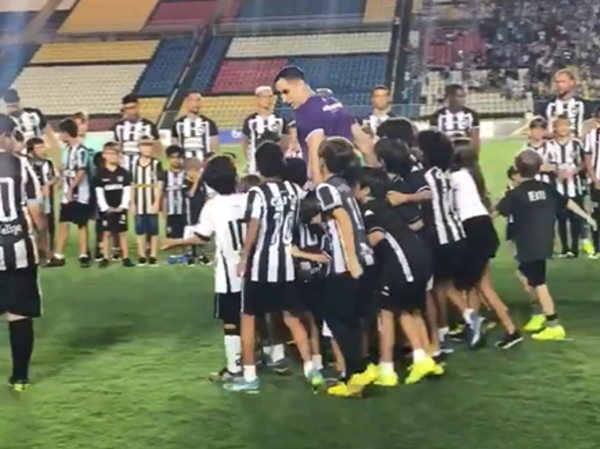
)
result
[(536, 323), (551, 333)]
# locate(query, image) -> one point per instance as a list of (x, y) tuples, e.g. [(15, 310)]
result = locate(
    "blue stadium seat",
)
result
[(281, 8), (164, 70), (210, 64), (13, 59), (344, 74), (14, 22)]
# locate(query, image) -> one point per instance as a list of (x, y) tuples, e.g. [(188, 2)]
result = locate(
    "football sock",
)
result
[(233, 348), (442, 332), (21, 344), (419, 355), (552, 320), (59, 256), (468, 316), (386, 368), (277, 353), (308, 367), (317, 360), (249, 373)]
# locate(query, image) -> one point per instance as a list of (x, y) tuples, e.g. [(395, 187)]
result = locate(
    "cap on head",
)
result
[(11, 96)]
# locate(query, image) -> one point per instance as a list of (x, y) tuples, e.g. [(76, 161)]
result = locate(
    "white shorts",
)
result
[(188, 232)]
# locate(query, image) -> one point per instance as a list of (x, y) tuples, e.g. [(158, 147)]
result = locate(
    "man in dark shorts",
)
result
[(20, 297)]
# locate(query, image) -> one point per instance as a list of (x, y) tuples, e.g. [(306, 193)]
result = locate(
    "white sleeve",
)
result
[(101, 199), (206, 225), (126, 198)]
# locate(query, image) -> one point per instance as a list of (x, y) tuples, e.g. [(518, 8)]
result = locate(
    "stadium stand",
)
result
[(254, 9), (379, 11), (245, 75), (163, 71), (87, 52), (33, 5), (227, 111), (210, 64), (92, 88), (151, 108), (95, 16), (310, 44), (14, 58), (198, 12)]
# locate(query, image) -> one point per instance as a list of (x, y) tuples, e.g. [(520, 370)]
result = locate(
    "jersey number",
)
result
[(8, 210), (236, 234), (284, 223)]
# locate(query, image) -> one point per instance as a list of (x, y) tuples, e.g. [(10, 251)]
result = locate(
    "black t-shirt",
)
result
[(533, 206), (413, 182), (112, 183), (401, 255), (194, 201)]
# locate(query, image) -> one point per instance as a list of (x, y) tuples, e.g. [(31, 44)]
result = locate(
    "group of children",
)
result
[(374, 249)]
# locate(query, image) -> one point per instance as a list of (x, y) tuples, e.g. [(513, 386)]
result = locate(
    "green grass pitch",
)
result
[(122, 357)]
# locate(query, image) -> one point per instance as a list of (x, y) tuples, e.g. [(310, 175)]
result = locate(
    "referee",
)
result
[(20, 213)]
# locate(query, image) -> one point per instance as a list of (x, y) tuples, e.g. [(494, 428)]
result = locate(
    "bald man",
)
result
[(263, 125)]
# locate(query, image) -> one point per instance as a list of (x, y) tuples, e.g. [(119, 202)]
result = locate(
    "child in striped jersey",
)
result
[(538, 142), (195, 196)]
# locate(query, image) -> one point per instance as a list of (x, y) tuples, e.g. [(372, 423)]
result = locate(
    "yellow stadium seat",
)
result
[(228, 112), (108, 15), (417, 6), (84, 52), (379, 11), (152, 108)]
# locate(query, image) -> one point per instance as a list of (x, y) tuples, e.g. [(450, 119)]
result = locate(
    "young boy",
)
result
[(537, 141), (46, 173), (568, 156), (174, 201), (195, 195), (405, 268), (113, 196), (247, 182), (222, 218), (533, 205), (147, 192)]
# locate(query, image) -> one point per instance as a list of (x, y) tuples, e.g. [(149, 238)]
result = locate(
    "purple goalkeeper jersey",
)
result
[(322, 113)]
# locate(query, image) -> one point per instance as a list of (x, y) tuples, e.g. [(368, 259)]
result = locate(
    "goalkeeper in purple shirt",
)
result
[(317, 117)]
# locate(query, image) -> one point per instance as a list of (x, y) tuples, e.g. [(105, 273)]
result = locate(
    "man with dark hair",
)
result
[(131, 129), (533, 205), (261, 126), (318, 117), (382, 111), (455, 119), (267, 265), (196, 133), (31, 122), (75, 200), (20, 296)]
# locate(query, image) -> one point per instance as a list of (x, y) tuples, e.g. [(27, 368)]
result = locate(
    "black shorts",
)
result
[(341, 302), (310, 294), (227, 307), (595, 200), (146, 225), (481, 246), (510, 231), (447, 260), (259, 298), (534, 272), (20, 292), (175, 226), (114, 222), (409, 298), (77, 213)]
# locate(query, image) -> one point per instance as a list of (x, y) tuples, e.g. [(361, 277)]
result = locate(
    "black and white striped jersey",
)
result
[(576, 109), (193, 134), (31, 122), (45, 172), (113, 188), (275, 205), (312, 239), (441, 210), (146, 175), (372, 121), (568, 156), (332, 194), (223, 218), (455, 124), (19, 187), (546, 151), (129, 134), (592, 148), (173, 192), (257, 128), (77, 161)]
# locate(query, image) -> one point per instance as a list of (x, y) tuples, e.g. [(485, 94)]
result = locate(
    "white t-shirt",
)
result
[(466, 197), (222, 217)]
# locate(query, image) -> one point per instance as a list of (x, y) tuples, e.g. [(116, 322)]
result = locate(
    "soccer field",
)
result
[(122, 359)]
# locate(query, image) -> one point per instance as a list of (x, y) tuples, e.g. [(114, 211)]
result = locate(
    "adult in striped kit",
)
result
[(592, 151), (147, 192), (568, 154), (267, 264), (22, 212)]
